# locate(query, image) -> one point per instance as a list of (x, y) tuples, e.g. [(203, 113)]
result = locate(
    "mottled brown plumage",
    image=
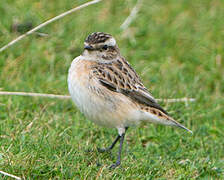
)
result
[(120, 77), (97, 37), (109, 92)]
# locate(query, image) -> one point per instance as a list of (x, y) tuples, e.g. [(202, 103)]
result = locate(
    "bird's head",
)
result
[(101, 47)]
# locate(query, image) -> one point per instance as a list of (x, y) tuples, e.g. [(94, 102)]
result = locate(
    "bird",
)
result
[(109, 92)]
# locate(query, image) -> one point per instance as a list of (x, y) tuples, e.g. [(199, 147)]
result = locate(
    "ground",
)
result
[(177, 49)]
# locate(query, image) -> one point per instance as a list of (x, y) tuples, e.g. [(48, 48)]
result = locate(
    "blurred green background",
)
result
[(177, 47)]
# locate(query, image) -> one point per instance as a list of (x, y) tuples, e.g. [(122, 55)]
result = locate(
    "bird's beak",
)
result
[(88, 47)]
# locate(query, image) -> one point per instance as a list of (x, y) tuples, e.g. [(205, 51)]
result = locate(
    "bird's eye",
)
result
[(105, 47)]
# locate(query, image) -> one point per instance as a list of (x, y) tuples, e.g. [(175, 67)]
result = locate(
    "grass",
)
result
[(175, 46)]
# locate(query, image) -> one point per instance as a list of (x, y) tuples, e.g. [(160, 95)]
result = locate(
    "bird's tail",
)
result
[(175, 123), (156, 116)]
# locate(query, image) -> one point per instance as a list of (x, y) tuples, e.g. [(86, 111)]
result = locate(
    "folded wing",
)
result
[(120, 77)]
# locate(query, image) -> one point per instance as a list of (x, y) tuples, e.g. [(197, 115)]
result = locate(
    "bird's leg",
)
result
[(118, 162), (110, 147)]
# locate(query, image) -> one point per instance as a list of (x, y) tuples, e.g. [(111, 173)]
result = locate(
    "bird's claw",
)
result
[(113, 166), (102, 150)]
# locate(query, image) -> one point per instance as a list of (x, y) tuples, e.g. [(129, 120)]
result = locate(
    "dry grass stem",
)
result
[(132, 15), (10, 175), (35, 94), (185, 99), (48, 22)]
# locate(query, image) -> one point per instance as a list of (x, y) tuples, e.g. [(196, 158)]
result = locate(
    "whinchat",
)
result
[(108, 91)]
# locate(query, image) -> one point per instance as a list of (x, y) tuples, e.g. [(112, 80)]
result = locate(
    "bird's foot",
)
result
[(89, 150), (102, 150), (113, 166)]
